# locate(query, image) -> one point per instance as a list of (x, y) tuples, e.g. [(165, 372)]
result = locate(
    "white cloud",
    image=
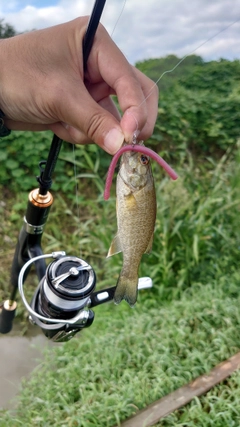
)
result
[(148, 29)]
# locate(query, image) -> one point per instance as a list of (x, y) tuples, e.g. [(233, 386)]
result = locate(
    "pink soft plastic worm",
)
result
[(140, 149)]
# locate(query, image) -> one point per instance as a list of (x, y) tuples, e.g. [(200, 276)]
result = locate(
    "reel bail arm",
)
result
[(61, 305)]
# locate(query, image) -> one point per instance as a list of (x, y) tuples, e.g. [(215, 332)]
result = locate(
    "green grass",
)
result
[(182, 328), (130, 358)]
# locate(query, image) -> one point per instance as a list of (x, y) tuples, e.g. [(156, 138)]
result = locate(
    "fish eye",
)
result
[(144, 159)]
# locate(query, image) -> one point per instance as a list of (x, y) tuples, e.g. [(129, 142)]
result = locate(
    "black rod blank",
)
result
[(45, 178)]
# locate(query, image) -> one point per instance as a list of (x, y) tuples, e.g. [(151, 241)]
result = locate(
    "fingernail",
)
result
[(113, 141), (129, 124)]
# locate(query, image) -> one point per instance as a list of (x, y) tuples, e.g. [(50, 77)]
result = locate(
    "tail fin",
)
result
[(127, 288)]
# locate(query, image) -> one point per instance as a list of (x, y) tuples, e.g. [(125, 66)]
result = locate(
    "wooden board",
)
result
[(183, 395)]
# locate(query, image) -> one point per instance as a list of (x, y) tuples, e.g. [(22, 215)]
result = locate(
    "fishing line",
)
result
[(181, 60), (118, 19)]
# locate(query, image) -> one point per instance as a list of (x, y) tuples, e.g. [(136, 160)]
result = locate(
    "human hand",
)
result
[(43, 86)]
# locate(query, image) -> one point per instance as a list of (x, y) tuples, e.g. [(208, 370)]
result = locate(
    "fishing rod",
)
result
[(61, 304)]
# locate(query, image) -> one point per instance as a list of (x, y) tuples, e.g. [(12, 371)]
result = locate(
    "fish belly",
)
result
[(136, 219)]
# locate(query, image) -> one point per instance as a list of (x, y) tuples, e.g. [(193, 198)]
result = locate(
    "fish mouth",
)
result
[(131, 186)]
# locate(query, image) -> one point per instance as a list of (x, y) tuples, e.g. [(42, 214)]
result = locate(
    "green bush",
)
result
[(21, 152), (199, 110), (199, 105), (197, 234), (202, 122)]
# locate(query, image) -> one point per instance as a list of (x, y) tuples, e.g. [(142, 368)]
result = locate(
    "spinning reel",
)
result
[(61, 305)]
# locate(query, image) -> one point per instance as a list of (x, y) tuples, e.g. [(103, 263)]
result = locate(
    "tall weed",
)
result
[(197, 235)]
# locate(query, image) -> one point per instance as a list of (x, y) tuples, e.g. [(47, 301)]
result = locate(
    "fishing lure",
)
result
[(137, 148)]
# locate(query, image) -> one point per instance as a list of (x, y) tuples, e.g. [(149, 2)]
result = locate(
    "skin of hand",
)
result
[(43, 86)]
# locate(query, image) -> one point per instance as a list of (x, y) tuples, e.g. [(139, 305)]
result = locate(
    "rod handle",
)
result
[(7, 315)]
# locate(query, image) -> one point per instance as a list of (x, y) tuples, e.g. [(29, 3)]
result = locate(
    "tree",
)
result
[(6, 30)]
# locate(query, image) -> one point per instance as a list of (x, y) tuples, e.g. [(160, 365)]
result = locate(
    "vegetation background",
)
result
[(189, 322)]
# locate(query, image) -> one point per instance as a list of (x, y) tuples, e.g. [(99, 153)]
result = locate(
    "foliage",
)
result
[(21, 152), (110, 371), (192, 72), (6, 30), (199, 105), (200, 122), (218, 76), (199, 112), (155, 68), (197, 237)]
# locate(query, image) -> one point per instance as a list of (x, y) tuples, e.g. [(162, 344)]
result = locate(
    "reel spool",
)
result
[(59, 305)]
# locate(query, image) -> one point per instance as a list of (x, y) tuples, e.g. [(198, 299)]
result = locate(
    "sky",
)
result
[(144, 29)]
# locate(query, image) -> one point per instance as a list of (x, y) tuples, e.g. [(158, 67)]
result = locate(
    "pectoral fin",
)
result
[(149, 248), (115, 247)]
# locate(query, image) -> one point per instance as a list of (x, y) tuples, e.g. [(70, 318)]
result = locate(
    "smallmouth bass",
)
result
[(136, 215)]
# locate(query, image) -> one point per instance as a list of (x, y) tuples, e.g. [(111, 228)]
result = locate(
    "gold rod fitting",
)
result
[(10, 305), (39, 200)]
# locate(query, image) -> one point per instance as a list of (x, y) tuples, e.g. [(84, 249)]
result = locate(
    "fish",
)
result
[(136, 216)]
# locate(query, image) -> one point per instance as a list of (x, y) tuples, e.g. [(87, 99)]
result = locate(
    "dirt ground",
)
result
[(19, 355)]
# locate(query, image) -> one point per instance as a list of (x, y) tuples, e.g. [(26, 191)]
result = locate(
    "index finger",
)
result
[(129, 84)]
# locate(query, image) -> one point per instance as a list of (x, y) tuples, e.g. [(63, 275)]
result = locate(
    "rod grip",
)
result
[(7, 315)]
